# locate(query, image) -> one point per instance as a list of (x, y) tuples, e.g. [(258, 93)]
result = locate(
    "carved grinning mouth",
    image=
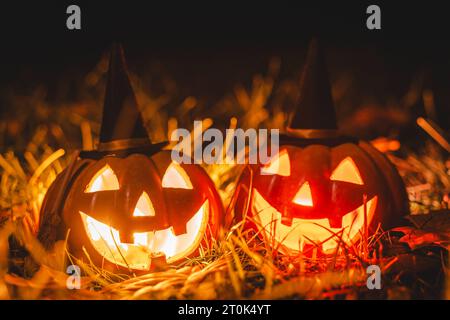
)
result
[(304, 231), (138, 255)]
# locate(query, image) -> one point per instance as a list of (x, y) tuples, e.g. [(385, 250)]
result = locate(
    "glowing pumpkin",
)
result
[(306, 194), (127, 206), (320, 188), (127, 211)]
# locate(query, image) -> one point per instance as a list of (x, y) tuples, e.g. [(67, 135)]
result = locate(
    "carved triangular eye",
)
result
[(176, 177), (104, 180), (304, 196), (144, 207), (347, 171), (280, 165)]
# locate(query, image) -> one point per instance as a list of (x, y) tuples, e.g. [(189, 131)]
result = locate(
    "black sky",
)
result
[(201, 38)]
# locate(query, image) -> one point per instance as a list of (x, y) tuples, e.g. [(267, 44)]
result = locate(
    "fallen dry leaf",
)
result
[(431, 229), (416, 238)]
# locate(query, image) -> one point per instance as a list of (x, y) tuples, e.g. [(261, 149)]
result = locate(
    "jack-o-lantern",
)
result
[(127, 206), (320, 188)]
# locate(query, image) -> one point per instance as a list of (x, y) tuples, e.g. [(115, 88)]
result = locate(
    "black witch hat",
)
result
[(122, 130), (314, 118)]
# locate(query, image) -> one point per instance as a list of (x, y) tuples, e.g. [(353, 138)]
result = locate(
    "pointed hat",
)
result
[(122, 128), (314, 115)]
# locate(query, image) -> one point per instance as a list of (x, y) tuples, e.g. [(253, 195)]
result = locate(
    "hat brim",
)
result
[(147, 149)]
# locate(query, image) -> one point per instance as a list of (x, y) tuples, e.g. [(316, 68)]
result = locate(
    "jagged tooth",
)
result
[(179, 230), (126, 237), (335, 222), (286, 221)]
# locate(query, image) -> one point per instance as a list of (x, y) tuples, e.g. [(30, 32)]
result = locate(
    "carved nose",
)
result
[(335, 221), (144, 207), (303, 196)]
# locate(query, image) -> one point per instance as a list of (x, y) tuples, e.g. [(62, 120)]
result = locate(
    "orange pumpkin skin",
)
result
[(172, 211), (314, 199)]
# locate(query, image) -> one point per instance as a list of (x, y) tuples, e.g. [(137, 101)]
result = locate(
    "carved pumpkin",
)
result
[(127, 206), (320, 187)]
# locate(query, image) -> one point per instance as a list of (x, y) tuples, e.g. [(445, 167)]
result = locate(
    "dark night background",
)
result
[(209, 47), (206, 49)]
